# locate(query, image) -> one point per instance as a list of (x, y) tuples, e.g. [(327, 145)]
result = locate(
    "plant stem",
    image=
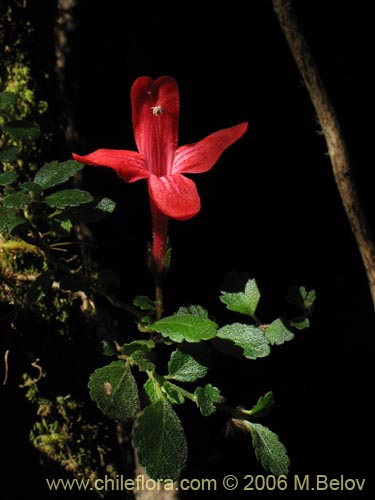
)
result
[(158, 298), (337, 149)]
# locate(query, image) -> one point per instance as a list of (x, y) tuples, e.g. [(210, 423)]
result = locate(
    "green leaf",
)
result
[(16, 200), (114, 390), (96, 211), (241, 340), (32, 187), (7, 178), (195, 310), (186, 327), (55, 173), (298, 295), (206, 398), (22, 130), (244, 302), (108, 348), (141, 352), (269, 450), (152, 390), (68, 198), (278, 332), (264, 406), (40, 287), (9, 154), (61, 226), (106, 205), (7, 99), (144, 303), (9, 219), (173, 393), (160, 441), (189, 362), (301, 323)]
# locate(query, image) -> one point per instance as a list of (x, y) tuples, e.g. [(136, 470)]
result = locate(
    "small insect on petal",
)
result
[(157, 110), (107, 387)]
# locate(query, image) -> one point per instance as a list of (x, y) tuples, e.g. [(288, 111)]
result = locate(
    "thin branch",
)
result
[(337, 149)]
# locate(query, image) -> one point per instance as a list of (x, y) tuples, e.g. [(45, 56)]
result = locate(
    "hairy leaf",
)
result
[(160, 441), (186, 327), (9, 219), (114, 390), (68, 198), (189, 362), (244, 302), (206, 398), (22, 130), (195, 310), (269, 450), (9, 154), (278, 332), (7, 178), (16, 200), (241, 340), (55, 173)]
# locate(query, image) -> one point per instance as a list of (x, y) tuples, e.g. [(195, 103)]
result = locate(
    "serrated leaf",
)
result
[(278, 332), (6, 100), (160, 441), (114, 390), (244, 302), (186, 327), (68, 198), (22, 130), (195, 310), (269, 450), (173, 393), (9, 219), (141, 352), (264, 406), (55, 173), (144, 303), (207, 398), (7, 178), (16, 200), (189, 362), (241, 340), (9, 154), (40, 287)]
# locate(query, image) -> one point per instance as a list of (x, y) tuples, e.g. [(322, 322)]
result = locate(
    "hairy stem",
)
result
[(337, 149)]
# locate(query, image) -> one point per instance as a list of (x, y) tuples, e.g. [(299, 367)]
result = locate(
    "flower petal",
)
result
[(129, 165), (201, 156), (175, 196), (155, 110)]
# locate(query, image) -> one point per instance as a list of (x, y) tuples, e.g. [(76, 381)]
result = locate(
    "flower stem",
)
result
[(159, 238)]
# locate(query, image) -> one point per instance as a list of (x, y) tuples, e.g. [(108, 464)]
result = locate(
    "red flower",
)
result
[(155, 110)]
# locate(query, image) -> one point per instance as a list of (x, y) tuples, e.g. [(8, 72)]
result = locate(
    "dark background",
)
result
[(270, 207)]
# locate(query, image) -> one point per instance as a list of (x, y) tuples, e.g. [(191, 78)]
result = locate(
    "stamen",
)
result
[(157, 110)]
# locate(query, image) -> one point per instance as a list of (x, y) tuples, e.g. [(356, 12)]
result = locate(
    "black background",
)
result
[(270, 207)]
